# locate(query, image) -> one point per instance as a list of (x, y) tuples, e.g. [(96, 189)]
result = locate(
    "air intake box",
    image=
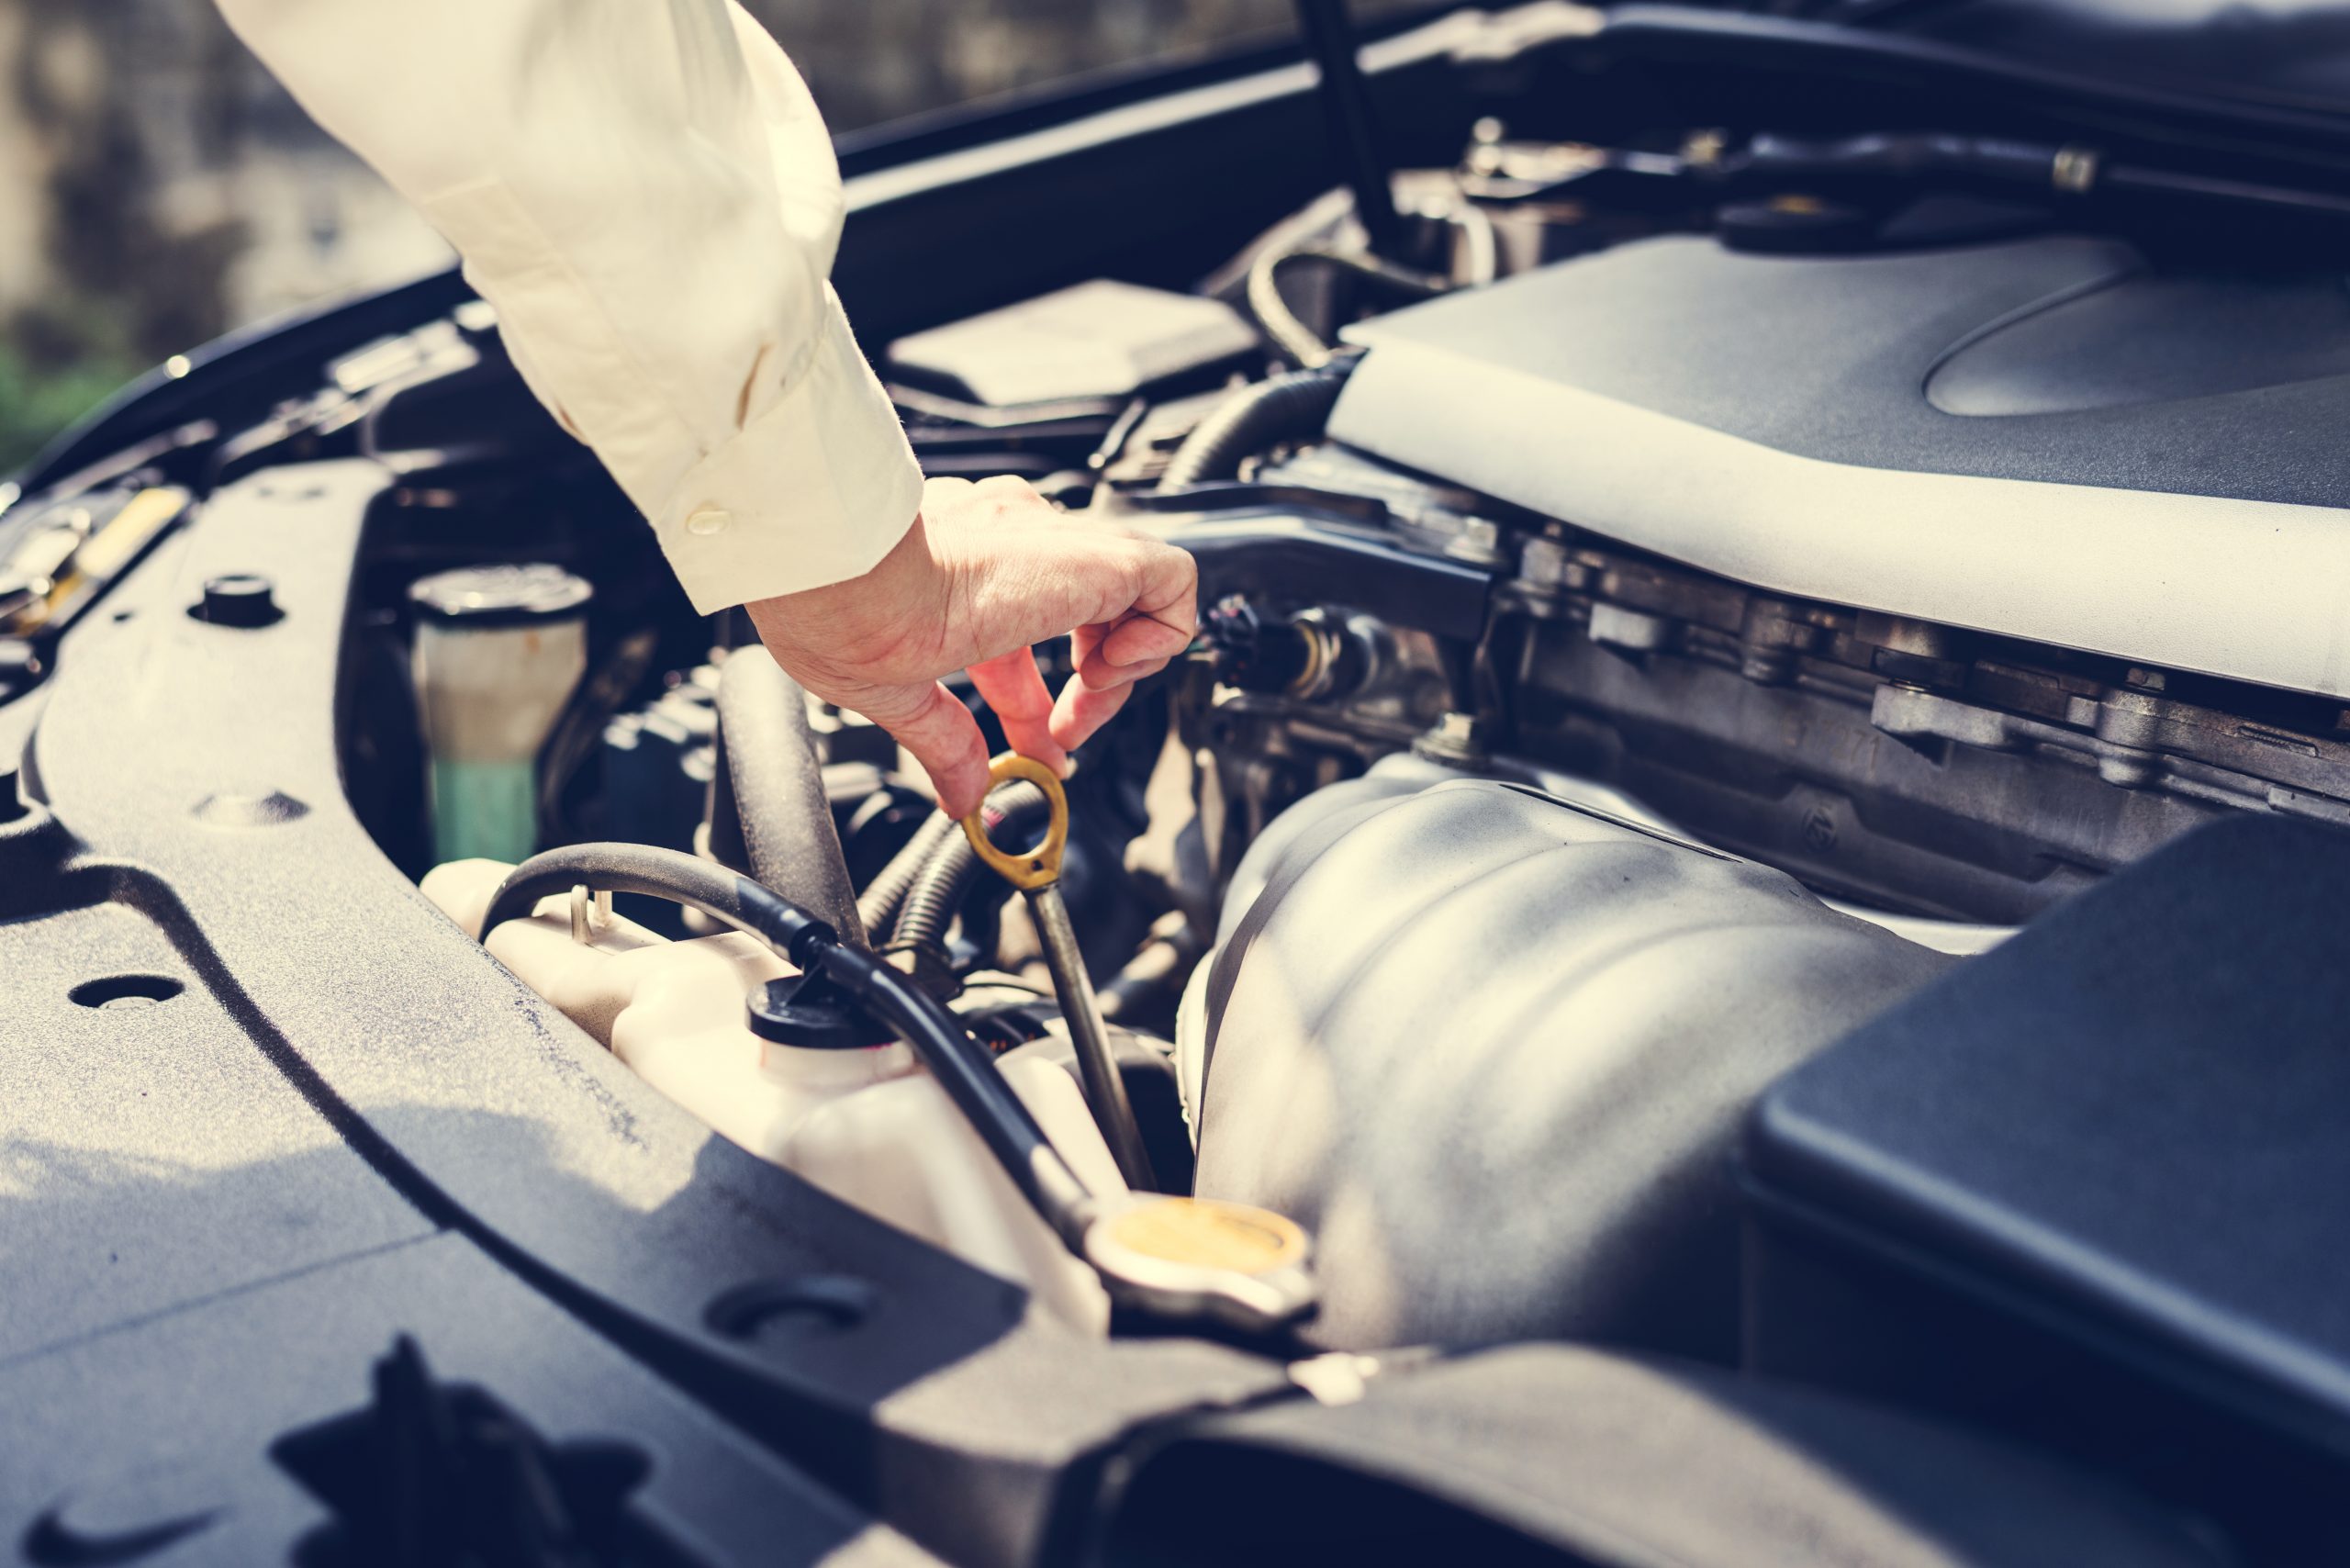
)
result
[(1493, 1049)]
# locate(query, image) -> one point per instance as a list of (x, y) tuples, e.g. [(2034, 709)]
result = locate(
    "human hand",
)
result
[(985, 571)]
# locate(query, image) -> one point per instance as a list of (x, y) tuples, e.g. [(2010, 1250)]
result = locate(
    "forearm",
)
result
[(644, 191)]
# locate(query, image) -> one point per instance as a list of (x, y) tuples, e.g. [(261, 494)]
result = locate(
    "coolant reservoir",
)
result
[(865, 1122)]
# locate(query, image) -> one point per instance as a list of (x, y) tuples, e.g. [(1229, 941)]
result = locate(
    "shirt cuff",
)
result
[(816, 489)]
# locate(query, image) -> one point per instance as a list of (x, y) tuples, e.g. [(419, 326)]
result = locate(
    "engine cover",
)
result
[(1493, 1050), (2044, 439)]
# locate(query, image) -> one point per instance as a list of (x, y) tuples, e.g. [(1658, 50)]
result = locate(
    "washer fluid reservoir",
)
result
[(865, 1122), (499, 650)]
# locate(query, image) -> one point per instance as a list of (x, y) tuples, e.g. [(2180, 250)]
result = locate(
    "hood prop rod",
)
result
[(1331, 42)]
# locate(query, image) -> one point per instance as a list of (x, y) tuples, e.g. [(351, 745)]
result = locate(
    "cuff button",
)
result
[(706, 521)]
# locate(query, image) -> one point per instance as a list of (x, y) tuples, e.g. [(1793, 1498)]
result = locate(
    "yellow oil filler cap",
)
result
[(1176, 1257)]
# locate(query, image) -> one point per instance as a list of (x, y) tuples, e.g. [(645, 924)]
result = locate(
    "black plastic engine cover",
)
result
[(2095, 1185), (1567, 1455)]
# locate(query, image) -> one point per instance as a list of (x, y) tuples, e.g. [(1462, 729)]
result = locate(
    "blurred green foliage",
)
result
[(57, 362)]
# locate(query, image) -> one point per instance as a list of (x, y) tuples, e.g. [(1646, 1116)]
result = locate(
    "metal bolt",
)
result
[(1617, 626), (1479, 540), (1543, 564), (1454, 738)]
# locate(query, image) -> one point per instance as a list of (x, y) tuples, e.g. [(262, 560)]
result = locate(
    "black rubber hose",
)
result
[(779, 789), (1282, 407), (878, 904), (938, 890), (963, 1067), (1299, 342), (664, 874)]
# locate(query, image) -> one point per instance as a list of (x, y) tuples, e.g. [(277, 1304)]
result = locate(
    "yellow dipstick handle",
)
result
[(1037, 874), (1037, 867)]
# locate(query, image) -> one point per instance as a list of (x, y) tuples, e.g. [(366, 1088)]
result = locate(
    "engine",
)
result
[(1622, 676), (1743, 875), (1650, 640)]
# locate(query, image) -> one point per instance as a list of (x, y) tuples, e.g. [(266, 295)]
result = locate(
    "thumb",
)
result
[(942, 735)]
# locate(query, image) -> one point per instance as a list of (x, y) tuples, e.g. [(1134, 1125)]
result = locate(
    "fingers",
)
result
[(1109, 655), (1150, 613), (1083, 709), (943, 736), (1169, 592), (1007, 571), (1142, 639), (1159, 623), (1016, 692), (1028, 573)]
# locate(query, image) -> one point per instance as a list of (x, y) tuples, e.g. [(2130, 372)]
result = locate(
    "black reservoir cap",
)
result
[(810, 1012)]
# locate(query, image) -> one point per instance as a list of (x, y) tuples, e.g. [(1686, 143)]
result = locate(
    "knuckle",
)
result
[(941, 499)]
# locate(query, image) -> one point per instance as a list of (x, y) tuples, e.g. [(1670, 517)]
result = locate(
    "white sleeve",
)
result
[(644, 191)]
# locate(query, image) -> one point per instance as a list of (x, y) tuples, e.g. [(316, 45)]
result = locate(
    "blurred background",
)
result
[(163, 190)]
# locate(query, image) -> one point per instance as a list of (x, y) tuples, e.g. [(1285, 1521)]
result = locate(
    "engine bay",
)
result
[(1513, 723), (1686, 620)]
